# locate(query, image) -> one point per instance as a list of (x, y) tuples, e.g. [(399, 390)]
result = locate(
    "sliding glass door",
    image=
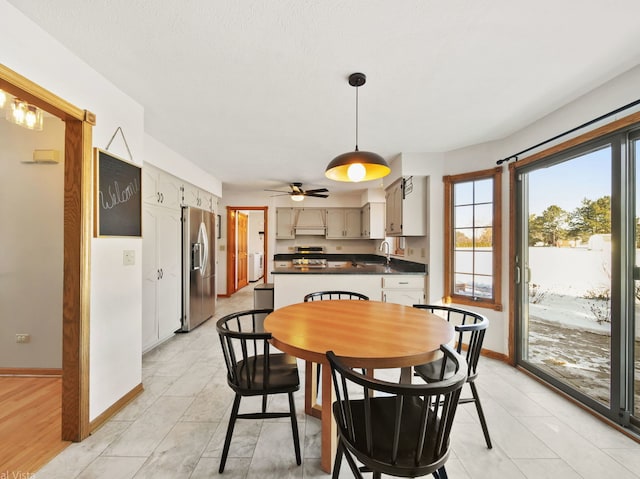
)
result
[(578, 274), (635, 324)]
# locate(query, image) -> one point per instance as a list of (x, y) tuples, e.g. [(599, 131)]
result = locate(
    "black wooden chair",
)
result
[(328, 295), (252, 370), (470, 328), (395, 428)]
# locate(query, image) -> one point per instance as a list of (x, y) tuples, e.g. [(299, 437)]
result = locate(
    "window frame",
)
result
[(495, 302)]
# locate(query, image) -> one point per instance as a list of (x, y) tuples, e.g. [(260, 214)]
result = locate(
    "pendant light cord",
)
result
[(356, 118)]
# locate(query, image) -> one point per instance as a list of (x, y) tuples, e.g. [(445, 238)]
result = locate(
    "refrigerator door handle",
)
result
[(196, 257), (204, 239)]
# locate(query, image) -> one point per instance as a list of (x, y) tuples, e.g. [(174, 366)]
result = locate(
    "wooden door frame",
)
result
[(231, 244), (77, 247)]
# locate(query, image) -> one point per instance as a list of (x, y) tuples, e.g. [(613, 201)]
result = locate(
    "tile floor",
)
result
[(176, 428)]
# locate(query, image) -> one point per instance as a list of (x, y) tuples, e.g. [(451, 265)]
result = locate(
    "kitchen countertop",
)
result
[(351, 264)]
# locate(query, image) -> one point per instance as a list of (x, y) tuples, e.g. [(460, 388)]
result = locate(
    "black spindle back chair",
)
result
[(253, 370), (394, 428), (470, 328)]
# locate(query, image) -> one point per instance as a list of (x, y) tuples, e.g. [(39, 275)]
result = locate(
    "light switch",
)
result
[(128, 257)]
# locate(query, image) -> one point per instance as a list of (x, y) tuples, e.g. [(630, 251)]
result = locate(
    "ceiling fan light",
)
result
[(357, 166), (297, 197)]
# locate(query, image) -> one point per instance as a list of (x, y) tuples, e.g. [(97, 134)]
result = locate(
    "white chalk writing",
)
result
[(116, 195)]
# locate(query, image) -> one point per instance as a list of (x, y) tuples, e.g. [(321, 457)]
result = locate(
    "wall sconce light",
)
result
[(3, 99), (23, 114)]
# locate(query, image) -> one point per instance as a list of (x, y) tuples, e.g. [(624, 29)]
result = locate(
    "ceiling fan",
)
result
[(297, 193)]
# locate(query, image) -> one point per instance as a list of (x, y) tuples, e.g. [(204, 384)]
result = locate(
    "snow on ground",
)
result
[(567, 336)]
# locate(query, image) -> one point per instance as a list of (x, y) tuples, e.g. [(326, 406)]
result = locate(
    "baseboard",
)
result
[(53, 372), (115, 408), (495, 355)]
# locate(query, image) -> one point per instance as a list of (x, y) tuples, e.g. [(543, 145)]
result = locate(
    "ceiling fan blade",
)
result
[(316, 195), (318, 190), (279, 191)]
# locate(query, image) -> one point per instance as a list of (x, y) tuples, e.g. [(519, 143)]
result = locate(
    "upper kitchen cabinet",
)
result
[(373, 224), (194, 196), (343, 223), (160, 188), (285, 223), (407, 207)]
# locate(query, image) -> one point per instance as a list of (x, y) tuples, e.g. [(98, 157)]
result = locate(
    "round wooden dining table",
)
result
[(372, 334)]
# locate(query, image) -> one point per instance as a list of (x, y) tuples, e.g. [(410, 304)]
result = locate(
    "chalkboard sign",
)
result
[(118, 199)]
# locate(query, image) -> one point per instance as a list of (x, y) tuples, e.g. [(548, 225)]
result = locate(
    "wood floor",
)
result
[(30, 424)]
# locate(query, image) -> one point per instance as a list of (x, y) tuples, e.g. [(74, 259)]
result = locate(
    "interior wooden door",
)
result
[(242, 264)]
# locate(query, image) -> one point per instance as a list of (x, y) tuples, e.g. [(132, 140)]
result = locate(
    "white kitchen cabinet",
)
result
[(285, 223), (292, 288), (161, 273), (403, 289), (194, 196), (343, 223), (373, 221), (160, 188), (407, 207)]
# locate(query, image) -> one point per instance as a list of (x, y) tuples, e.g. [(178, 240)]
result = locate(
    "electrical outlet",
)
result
[(128, 257), (23, 338)]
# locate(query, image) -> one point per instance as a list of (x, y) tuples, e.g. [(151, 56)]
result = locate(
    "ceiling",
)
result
[(256, 92)]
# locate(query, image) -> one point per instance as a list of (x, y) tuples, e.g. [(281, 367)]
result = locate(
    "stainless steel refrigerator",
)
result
[(198, 263)]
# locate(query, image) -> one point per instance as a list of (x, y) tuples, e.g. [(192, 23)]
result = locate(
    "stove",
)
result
[(306, 262), (309, 263)]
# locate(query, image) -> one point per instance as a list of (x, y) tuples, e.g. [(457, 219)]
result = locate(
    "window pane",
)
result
[(483, 215), (483, 191), (464, 238), (484, 237), (463, 284), (463, 216), (463, 193), (463, 261), (483, 286), (483, 262)]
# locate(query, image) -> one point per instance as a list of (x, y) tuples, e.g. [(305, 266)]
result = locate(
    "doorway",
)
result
[(77, 235), (238, 248), (577, 269)]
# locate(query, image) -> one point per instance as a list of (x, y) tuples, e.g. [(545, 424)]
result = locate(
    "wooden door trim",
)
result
[(77, 247), (231, 243)]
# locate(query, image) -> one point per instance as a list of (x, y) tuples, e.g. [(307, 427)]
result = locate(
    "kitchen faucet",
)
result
[(388, 248)]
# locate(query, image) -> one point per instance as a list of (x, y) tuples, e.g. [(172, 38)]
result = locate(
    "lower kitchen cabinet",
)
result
[(407, 289), (161, 274), (403, 289)]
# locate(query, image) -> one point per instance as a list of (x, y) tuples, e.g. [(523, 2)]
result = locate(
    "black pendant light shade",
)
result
[(357, 165)]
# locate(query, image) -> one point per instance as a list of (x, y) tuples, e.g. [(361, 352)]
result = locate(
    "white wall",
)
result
[(116, 290), (31, 256), (168, 160)]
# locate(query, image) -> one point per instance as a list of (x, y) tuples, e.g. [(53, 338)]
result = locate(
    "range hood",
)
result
[(310, 221)]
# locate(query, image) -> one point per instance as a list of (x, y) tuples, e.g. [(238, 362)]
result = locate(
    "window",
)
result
[(473, 238)]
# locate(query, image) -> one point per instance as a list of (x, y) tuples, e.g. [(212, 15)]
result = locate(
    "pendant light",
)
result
[(357, 165)]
